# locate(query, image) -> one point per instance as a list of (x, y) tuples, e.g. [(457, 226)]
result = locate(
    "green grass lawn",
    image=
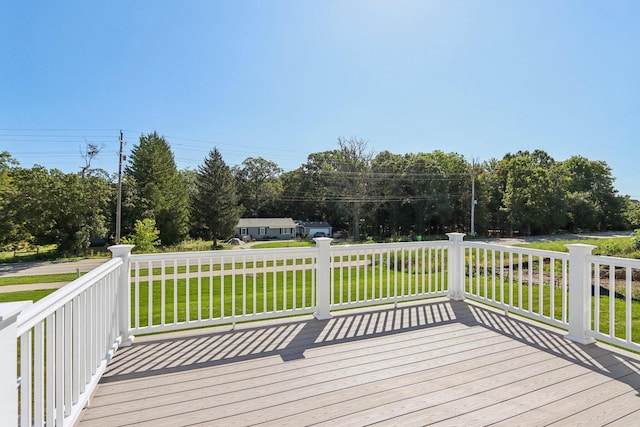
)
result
[(260, 262), (205, 267), (617, 246), (28, 254), (528, 298), (25, 295), (286, 244), (40, 278), (216, 300), (49, 253)]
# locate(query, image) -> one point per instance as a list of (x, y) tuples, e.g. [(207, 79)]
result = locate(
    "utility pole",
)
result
[(473, 197), (119, 203)]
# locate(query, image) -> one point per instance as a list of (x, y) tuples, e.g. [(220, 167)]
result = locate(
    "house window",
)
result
[(262, 231), (285, 231), (243, 231)]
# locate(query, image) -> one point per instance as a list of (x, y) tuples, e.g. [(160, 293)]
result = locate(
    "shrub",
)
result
[(635, 239), (145, 236)]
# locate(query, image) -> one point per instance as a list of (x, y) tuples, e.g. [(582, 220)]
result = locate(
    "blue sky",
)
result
[(283, 79)]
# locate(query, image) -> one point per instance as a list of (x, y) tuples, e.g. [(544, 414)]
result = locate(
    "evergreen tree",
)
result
[(216, 201), (159, 188)]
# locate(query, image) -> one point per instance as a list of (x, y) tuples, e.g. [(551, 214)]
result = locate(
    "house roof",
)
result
[(266, 222)]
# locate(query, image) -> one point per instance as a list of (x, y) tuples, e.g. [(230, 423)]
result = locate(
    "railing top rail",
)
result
[(224, 254), (517, 250), (395, 245), (52, 302), (617, 261)]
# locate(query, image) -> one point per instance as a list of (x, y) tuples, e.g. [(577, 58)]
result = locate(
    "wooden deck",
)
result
[(441, 362)]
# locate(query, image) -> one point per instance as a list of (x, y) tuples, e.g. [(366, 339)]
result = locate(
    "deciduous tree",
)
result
[(10, 230), (145, 236), (259, 187), (350, 184)]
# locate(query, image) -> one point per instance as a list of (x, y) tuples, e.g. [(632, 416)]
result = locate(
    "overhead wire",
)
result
[(109, 141)]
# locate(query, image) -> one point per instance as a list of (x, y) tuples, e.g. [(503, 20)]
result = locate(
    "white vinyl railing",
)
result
[(185, 290), (616, 300), (530, 282), (65, 342), (387, 273), (59, 347)]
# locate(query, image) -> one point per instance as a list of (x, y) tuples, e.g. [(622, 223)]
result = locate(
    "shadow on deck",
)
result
[(430, 362)]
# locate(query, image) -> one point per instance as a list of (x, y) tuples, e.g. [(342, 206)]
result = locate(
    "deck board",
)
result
[(438, 362)]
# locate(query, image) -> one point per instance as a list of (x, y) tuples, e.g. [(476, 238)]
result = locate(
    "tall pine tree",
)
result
[(159, 188), (216, 202)]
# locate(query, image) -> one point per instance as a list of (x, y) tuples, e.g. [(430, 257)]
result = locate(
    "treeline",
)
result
[(379, 196)]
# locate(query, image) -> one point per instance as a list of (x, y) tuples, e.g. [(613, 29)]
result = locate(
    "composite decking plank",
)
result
[(394, 410), (488, 409), (628, 420), (442, 393), (219, 354), (594, 389), (319, 409), (330, 392), (432, 385), (312, 364), (446, 361), (363, 347), (246, 392), (524, 403), (610, 411)]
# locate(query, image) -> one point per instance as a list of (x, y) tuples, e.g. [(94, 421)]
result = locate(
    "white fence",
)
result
[(529, 282), (194, 289), (60, 346), (615, 303), (65, 341), (187, 290), (373, 274)]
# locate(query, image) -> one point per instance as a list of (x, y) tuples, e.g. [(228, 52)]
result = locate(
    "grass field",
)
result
[(530, 297), (25, 295), (40, 278), (286, 244), (209, 299), (619, 246)]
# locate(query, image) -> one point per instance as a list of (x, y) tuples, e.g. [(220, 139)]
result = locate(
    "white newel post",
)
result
[(8, 359), (323, 278), (124, 317), (579, 293), (456, 276)]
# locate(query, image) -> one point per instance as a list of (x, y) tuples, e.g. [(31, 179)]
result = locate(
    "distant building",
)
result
[(266, 228)]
